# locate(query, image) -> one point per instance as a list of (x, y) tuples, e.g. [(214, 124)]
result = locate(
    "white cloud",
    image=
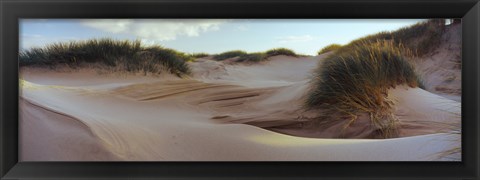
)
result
[(147, 42), (242, 28), (109, 25), (295, 39), (28, 41), (158, 30)]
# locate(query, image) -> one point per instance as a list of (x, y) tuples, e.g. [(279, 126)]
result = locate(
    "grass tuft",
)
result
[(130, 54), (229, 54), (254, 57), (356, 79), (280, 51), (199, 55), (331, 47)]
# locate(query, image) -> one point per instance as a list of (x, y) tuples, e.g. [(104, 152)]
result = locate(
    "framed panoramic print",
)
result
[(239, 89)]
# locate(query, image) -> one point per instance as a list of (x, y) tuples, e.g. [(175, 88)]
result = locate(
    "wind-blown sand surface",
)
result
[(224, 112)]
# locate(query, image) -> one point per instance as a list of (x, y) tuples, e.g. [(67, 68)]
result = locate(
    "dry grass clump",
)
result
[(130, 55), (420, 38), (331, 47), (355, 80)]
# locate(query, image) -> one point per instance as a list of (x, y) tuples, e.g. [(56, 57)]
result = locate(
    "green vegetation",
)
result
[(420, 38), (280, 51), (253, 57), (256, 56), (331, 47), (356, 79), (130, 55), (199, 55), (229, 54)]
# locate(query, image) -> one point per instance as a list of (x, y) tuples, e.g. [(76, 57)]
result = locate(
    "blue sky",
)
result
[(305, 36)]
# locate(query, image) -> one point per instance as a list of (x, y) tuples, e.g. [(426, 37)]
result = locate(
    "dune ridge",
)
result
[(63, 136), (441, 69)]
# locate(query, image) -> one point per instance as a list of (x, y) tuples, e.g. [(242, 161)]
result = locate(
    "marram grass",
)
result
[(253, 57), (280, 51), (356, 79), (256, 56), (128, 54), (420, 38), (199, 55), (331, 47), (229, 54)]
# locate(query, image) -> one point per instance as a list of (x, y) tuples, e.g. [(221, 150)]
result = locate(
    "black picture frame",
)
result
[(12, 10)]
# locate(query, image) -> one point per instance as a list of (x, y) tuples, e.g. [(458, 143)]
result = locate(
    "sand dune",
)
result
[(224, 112), (441, 68), (278, 71), (63, 137)]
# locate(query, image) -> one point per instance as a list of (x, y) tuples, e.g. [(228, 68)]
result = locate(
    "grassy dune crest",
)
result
[(331, 47), (253, 57), (420, 38), (256, 56), (280, 51), (356, 80), (199, 55), (229, 54), (130, 55)]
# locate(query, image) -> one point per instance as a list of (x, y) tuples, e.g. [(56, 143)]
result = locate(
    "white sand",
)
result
[(82, 116)]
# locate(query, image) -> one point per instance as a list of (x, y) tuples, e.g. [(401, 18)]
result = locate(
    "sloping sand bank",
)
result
[(441, 68), (223, 113)]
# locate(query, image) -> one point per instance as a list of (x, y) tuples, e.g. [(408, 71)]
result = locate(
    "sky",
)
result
[(304, 36)]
